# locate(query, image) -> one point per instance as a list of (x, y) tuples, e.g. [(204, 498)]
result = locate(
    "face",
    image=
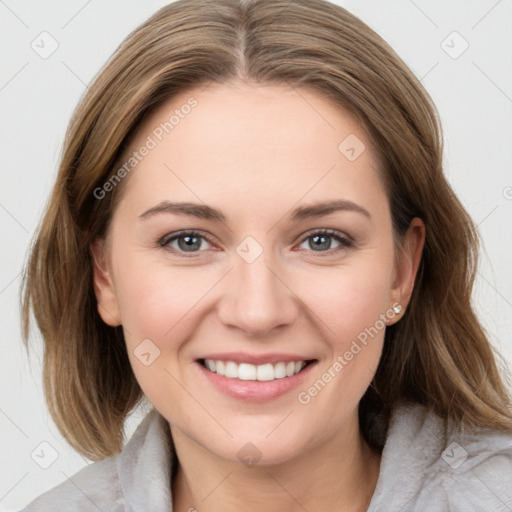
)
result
[(251, 264)]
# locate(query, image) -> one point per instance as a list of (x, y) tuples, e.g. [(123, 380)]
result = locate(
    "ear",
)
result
[(407, 263), (103, 286)]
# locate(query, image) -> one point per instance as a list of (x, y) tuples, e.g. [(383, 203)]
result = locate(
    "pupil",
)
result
[(326, 244)]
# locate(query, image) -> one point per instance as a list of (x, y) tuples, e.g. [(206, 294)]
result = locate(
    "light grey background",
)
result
[(472, 90)]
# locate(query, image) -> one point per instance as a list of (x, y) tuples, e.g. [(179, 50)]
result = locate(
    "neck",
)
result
[(341, 470)]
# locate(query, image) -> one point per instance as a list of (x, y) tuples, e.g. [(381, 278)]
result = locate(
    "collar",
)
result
[(145, 466)]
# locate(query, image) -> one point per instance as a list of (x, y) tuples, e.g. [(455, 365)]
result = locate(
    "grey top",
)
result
[(425, 467)]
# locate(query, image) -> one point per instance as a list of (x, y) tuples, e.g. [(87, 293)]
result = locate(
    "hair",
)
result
[(437, 355)]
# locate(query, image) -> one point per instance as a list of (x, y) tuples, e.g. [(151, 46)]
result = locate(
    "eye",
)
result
[(321, 241), (185, 242), (192, 242)]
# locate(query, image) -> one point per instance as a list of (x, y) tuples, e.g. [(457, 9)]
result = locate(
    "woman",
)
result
[(251, 229)]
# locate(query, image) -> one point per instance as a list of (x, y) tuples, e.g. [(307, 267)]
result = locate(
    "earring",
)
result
[(397, 308)]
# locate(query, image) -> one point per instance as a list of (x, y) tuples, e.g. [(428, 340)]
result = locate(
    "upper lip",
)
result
[(256, 359)]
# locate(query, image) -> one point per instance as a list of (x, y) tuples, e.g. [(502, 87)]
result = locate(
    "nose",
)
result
[(257, 299)]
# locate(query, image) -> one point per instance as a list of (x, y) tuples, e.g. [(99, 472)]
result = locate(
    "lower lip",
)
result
[(255, 390)]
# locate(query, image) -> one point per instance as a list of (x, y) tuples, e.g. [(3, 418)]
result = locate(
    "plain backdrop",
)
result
[(461, 51)]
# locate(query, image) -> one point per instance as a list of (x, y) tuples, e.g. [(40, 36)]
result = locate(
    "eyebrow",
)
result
[(320, 209), (202, 211)]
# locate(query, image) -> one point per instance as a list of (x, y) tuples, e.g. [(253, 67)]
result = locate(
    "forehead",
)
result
[(270, 142)]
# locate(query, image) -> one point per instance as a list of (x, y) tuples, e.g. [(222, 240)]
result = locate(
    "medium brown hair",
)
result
[(437, 355)]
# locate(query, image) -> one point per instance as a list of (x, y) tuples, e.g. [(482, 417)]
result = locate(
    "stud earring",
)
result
[(397, 308)]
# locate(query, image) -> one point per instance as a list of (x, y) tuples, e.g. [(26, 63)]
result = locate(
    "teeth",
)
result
[(210, 364), (246, 371), (279, 371), (231, 370), (264, 372)]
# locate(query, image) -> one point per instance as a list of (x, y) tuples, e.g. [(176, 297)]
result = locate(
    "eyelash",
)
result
[(345, 242)]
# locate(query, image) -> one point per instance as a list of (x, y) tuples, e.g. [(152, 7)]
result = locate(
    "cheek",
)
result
[(353, 308), (352, 303), (158, 305), (155, 298), (350, 300)]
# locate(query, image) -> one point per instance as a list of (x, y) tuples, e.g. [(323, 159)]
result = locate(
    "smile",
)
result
[(247, 371), (255, 378)]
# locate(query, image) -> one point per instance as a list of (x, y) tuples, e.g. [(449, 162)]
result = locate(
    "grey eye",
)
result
[(186, 242), (322, 241)]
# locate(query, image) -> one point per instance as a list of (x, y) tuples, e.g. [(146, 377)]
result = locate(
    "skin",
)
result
[(256, 153)]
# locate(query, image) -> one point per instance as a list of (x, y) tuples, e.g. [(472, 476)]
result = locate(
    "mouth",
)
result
[(251, 372), (256, 381)]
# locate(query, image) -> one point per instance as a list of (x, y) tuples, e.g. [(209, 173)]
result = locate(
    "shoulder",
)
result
[(428, 465), (94, 487), (474, 472), (137, 475)]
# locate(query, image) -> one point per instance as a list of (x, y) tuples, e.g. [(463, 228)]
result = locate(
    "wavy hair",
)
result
[(437, 355)]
